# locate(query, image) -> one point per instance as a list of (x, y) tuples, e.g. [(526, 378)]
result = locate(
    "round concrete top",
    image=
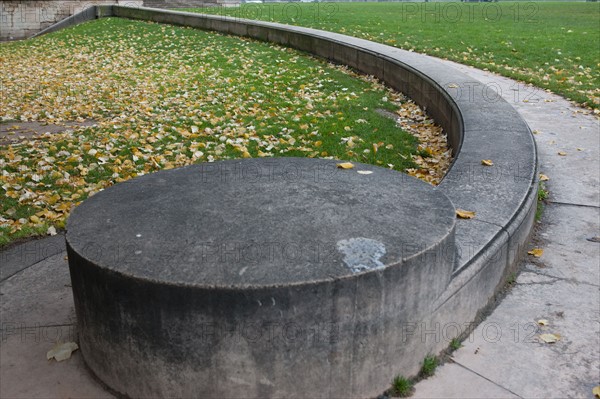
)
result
[(259, 222)]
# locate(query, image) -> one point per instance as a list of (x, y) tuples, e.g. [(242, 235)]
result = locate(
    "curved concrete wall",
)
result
[(480, 125)]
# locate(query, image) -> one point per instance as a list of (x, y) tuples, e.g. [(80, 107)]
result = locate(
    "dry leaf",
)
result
[(543, 177), (562, 153), (364, 172), (51, 231), (62, 351), (537, 252), (345, 165), (487, 162), (550, 338), (596, 391), (542, 322), (462, 214)]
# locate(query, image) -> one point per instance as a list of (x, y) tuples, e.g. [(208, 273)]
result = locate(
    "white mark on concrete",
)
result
[(362, 254), (243, 270), (273, 299), (259, 302), (138, 252), (138, 235)]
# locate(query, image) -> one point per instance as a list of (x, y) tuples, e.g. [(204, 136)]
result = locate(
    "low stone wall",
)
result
[(20, 19), (480, 125)]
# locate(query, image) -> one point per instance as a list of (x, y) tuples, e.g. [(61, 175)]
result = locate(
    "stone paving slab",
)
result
[(469, 385), (36, 311)]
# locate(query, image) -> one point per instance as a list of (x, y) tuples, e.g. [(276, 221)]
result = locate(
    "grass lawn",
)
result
[(555, 46), (159, 97)]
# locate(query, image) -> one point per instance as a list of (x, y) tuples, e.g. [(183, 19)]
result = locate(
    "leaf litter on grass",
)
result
[(163, 97)]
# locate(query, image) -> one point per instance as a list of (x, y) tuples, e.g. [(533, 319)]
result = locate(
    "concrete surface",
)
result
[(504, 357), (210, 280), (20, 19)]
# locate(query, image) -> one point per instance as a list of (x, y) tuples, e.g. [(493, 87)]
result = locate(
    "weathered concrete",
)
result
[(284, 277), (479, 127), (562, 286), (20, 19)]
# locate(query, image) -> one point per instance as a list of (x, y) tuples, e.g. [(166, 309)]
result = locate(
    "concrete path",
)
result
[(503, 358)]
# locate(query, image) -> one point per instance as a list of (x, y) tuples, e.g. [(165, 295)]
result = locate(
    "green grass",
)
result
[(455, 344), (166, 96), (542, 196), (402, 387), (429, 365), (552, 45)]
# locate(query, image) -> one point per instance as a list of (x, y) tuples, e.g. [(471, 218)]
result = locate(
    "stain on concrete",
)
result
[(361, 254)]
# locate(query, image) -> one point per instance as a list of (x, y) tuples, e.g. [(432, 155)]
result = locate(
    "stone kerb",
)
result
[(480, 125)]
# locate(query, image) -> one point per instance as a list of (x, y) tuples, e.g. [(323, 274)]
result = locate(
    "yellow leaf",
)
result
[(462, 214), (246, 154), (596, 391), (543, 177), (34, 219), (542, 322), (550, 338), (537, 252), (318, 143), (562, 153), (53, 199), (345, 165), (62, 352), (487, 162)]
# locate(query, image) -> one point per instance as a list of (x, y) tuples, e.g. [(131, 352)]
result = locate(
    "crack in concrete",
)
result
[(487, 379), (572, 204), (556, 279)]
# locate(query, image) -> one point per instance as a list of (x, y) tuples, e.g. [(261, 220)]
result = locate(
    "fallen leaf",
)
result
[(542, 322), (594, 239), (550, 338), (487, 162), (543, 177), (345, 165), (364, 172), (596, 391), (562, 153), (51, 231), (462, 214), (537, 252), (62, 351)]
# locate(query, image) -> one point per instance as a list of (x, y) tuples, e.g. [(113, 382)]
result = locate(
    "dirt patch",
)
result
[(16, 132)]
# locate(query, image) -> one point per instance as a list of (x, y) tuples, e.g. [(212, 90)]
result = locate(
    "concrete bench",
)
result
[(480, 125)]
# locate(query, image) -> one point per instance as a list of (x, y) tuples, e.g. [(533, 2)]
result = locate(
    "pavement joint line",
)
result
[(572, 204), (486, 378), (556, 279), (2, 329), (6, 278)]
